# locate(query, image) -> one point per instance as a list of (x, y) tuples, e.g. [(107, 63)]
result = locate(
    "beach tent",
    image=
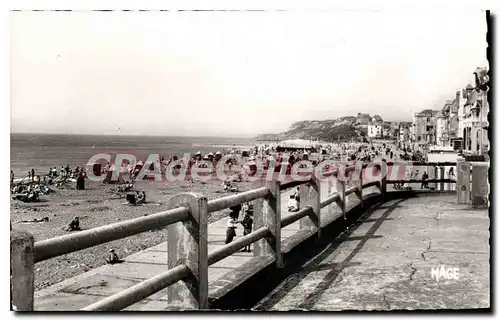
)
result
[(294, 145), (95, 168)]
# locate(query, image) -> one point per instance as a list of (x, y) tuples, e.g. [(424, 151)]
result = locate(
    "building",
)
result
[(377, 119), (424, 127), (363, 119), (473, 121), (443, 125), (374, 131), (404, 134), (453, 121)]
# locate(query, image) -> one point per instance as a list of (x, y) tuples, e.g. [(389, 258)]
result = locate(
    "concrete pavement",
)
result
[(386, 262)]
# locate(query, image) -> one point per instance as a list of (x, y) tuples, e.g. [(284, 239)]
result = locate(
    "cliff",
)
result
[(342, 128)]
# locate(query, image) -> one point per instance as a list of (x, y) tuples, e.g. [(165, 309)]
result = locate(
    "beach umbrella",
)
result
[(198, 153), (218, 153)]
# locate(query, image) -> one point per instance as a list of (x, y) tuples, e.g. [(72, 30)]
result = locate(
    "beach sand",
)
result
[(99, 205)]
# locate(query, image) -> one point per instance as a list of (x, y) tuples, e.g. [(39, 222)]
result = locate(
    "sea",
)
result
[(43, 151)]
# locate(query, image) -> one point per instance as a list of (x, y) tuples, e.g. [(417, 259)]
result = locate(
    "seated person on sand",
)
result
[(226, 185), (128, 187), (74, 225), (132, 198), (293, 205), (113, 257), (141, 198), (30, 196)]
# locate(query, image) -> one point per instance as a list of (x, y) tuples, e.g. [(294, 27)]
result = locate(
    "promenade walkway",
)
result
[(90, 287), (385, 262)]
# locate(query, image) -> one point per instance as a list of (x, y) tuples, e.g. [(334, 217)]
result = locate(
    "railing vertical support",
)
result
[(312, 192), (341, 191), (267, 212), (441, 176), (436, 173), (359, 192), (480, 186), (463, 181), (22, 278), (187, 244), (383, 180)]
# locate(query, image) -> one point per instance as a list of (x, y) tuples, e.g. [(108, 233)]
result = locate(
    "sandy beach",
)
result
[(99, 205)]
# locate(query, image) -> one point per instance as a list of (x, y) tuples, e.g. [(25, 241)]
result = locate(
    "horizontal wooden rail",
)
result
[(330, 199), (140, 291), (351, 190), (240, 198), (292, 184), (370, 184), (423, 163), (60, 245), (295, 216), (235, 246), (444, 180)]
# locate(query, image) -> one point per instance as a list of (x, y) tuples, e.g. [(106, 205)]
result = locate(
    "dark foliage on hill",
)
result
[(343, 128)]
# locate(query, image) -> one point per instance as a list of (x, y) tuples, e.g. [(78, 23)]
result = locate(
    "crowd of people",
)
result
[(31, 187)]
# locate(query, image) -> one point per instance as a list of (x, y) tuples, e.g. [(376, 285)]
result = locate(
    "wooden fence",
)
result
[(186, 221)]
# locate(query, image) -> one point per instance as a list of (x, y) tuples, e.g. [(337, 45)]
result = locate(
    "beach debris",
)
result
[(36, 220)]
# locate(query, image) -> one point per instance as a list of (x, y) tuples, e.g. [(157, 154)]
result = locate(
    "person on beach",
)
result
[(74, 225), (247, 224), (80, 181), (425, 184), (296, 195), (451, 173), (293, 205), (231, 224), (113, 257), (11, 177)]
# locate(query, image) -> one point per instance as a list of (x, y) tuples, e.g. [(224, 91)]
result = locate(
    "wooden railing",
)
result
[(186, 221)]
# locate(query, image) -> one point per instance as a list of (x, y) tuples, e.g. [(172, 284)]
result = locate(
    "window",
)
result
[(428, 119), (419, 137)]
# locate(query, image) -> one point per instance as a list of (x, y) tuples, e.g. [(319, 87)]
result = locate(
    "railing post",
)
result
[(267, 212), (22, 278), (312, 193), (383, 181), (359, 192), (480, 186), (436, 173), (187, 244), (463, 181), (342, 201), (441, 176)]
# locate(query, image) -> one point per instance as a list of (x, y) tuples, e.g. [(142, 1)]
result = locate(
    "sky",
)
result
[(234, 73)]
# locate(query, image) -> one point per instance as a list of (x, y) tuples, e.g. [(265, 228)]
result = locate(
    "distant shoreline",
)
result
[(134, 135)]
